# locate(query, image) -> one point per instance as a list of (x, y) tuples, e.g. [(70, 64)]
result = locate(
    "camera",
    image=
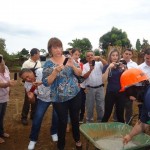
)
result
[(120, 63), (67, 55), (65, 61), (93, 62), (123, 62)]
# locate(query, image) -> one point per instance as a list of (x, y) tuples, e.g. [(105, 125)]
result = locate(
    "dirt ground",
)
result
[(19, 134)]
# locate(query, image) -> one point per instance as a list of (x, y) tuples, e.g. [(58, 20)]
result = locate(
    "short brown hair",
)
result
[(128, 49), (147, 51), (34, 51), (22, 71), (53, 42), (73, 50)]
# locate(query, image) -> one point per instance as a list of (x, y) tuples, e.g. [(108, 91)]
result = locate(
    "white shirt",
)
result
[(95, 77), (30, 64), (42, 92), (145, 68), (132, 64)]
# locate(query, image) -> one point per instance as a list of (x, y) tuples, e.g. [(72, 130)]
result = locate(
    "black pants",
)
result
[(2, 115), (26, 108), (62, 108), (83, 98), (140, 106), (117, 98)]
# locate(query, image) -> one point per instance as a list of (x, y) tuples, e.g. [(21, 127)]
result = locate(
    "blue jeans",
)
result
[(38, 117), (2, 114)]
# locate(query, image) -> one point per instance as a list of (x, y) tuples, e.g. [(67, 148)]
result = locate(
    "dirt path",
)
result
[(19, 134)]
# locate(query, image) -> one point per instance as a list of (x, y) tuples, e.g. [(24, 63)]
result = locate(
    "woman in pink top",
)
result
[(5, 83)]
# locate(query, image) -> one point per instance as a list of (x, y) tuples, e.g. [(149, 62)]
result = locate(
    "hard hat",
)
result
[(131, 77)]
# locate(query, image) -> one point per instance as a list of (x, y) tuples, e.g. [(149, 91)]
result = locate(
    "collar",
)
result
[(145, 65), (32, 60)]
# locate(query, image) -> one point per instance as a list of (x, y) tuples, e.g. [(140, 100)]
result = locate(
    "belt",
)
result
[(95, 86)]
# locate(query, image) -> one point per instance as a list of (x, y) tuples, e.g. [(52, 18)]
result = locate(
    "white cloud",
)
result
[(30, 23)]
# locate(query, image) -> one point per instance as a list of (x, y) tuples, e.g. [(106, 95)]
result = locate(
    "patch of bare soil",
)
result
[(19, 134)]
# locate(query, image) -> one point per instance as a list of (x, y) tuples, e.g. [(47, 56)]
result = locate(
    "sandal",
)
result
[(6, 135), (78, 145), (1, 140)]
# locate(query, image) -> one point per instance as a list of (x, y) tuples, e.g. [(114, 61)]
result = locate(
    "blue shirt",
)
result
[(147, 98), (65, 86), (113, 84), (145, 114)]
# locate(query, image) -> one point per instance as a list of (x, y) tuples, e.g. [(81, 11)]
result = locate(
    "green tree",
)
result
[(24, 52), (3, 48), (138, 45), (114, 38), (83, 44), (145, 44), (43, 51), (9, 59), (97, 52)]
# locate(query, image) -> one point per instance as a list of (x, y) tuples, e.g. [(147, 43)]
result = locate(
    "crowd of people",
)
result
[(75, 90)]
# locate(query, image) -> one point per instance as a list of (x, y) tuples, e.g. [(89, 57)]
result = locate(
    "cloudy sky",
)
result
[(30, 23)]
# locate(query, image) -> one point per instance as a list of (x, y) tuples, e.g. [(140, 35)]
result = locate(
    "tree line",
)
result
[(115, 37)]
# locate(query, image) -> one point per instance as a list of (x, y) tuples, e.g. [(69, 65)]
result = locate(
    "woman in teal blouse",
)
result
[(64, 88)]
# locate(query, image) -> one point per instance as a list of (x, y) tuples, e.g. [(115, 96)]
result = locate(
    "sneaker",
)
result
[(24, 122), (78, 145), (1, 140), (6, 135), (31, 145), (81, 121), (54, 137)]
